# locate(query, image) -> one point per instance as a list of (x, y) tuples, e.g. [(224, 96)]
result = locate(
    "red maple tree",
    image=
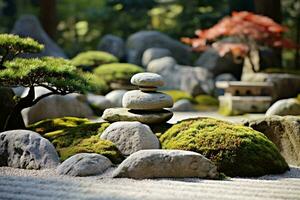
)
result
[(250, 31)]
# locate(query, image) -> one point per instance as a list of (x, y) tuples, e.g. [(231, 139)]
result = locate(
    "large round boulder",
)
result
[(54, 106), (216, 64), (130, 137), (29, 26), (143, 40), (84, 164), (154, 53), (194, 80), (112, 44), (166, 164), (284, 107), (26, 149), (235, 149)]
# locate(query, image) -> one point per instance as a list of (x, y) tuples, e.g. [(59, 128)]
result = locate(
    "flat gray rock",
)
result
[(84, 164), (147, 79), (139, 42), (284, 107), (131, 137), (166, 164), (26, 149), (139, 100), (145, 117)]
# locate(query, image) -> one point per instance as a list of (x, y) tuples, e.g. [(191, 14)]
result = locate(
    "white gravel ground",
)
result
[(46, 184)]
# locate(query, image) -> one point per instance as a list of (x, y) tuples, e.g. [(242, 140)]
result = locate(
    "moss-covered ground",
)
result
[(71, 135)]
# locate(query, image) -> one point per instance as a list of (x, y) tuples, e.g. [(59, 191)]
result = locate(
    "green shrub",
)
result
[(99, 85), (117, 71), (236, 150), (206, 100), (178, 95), (71, 135), (90, 59)]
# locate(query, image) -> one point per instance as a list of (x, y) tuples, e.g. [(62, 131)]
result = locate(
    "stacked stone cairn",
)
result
[(145, 105)]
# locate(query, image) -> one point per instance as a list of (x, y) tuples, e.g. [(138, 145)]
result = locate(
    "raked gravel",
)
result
[(46, 184)]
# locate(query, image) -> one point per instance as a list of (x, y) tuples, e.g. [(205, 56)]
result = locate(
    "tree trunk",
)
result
[(48, 16), (269, 8), (7, 105), (272, 9)]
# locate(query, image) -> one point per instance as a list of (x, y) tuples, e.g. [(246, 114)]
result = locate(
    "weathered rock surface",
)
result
[(29, 26), (26, 149), (138, 42), (115, 97), (284, 107), (166, 164), (139, 100), (281, 83), (73, 105), (131, 137), (145, 117), (194, 80), (84, 164), (182, 105), (284, 132), (154, 53), (112, 44), (147, 79)]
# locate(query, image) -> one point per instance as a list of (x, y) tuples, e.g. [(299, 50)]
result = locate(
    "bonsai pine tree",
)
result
[(250, 31), (58, 75)]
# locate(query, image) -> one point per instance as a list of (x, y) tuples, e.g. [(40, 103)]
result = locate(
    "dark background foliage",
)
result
[(77, 25)]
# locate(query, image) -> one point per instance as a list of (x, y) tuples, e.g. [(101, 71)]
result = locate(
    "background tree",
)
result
[(249, 32), (59, 76)]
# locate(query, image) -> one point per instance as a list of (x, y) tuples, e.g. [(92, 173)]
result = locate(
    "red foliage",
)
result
[(245, 26)]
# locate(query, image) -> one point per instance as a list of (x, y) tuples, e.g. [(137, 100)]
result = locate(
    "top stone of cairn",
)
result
[(147, 79)]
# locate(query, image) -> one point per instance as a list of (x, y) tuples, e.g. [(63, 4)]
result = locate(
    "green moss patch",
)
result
[(117, 72), (93, 145), (90, 59), (71, 135), (236, 150), (206, 100)]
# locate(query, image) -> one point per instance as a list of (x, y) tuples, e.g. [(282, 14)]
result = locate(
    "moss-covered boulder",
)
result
[(235, 149), (71, 135), (117, 72), (90, 59)]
